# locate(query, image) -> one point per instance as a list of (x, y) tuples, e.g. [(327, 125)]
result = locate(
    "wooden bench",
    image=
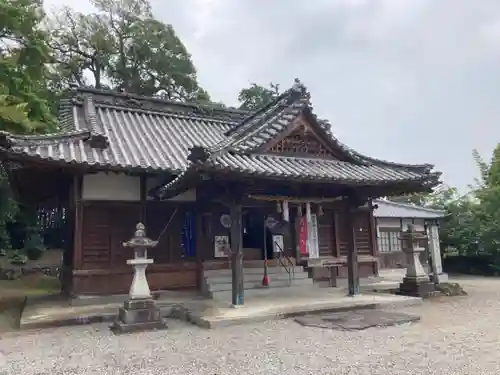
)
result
[(333, 263)]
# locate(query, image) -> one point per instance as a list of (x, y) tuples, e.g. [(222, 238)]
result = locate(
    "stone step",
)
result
[(273, 283), (252, 271), (221, 279), (226, 295)]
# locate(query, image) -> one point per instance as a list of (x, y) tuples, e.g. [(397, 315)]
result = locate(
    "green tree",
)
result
[(23, 56), (487, 195), (123, 46), (256, 96), (24, 107), (472, 225), (437, 199), (82, 49)]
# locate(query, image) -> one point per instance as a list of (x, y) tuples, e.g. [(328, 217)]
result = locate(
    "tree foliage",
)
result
[(471, 226), (119, 46), (122, 46), (23, 56), (256, 96)]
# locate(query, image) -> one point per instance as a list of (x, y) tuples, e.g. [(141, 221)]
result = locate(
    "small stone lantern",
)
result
[(139, 312), (416, 282)]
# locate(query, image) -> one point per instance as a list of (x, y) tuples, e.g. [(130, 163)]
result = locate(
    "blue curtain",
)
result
[(189, 234)]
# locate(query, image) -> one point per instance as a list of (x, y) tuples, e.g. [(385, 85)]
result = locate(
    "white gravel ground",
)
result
[(456, 336)]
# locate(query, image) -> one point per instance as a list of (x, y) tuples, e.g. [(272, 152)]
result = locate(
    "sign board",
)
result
[(278, 245), (222, 248)]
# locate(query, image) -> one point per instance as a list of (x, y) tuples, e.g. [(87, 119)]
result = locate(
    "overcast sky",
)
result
[(404, 80)]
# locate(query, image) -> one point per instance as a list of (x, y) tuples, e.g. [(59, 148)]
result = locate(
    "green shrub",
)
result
[(34, 253), (18, 259), (33, 245)]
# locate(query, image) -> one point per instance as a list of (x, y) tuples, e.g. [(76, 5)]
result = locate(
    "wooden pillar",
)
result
[(374, 238), (143, 198), (198, 235), (77, 222), (237, 254), (337, 230), (352, 249)]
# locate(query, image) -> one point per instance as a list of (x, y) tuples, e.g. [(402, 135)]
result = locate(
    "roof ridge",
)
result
[(363, 158), (134, 100), (409, 205), (167, 113), (297, 91), (238, 133), (8, 140), (46, 136)]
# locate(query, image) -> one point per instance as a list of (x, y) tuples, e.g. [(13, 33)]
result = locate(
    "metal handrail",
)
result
[(291, 270)]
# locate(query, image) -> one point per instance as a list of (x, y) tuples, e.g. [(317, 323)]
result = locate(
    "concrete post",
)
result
[(435, 250)]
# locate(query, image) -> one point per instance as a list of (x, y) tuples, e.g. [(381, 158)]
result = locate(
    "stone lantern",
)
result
[(416, 282), (139, 312)]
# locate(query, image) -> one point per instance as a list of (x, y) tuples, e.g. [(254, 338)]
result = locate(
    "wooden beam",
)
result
[(352, 249), (78, 222), (273, 198), (237, 254)]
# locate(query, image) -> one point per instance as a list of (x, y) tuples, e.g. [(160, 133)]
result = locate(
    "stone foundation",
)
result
[(138, 315), (416, 287)]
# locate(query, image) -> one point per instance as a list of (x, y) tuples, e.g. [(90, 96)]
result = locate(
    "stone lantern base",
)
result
[(416, 287), (138, 315)]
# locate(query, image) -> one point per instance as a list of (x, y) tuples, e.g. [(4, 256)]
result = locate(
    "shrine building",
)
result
[(220, 189)]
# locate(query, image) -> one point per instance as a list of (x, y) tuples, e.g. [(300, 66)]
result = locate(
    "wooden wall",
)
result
[(101, 266), (333, 242), (106, 225)]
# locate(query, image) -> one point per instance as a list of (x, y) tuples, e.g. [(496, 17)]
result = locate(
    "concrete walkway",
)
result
[(294, 304), (208, 313), (48, 312)]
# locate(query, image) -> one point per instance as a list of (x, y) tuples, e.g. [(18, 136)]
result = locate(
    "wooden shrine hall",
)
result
[(217, 188)]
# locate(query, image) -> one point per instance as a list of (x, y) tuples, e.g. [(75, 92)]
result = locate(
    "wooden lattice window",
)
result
[(301, 141), (389, 242)]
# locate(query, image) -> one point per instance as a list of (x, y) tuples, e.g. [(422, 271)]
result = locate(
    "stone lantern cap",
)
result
[(412, 235), (140, 240)]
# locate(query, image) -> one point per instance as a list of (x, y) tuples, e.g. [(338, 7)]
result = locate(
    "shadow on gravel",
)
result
[(357, 320)]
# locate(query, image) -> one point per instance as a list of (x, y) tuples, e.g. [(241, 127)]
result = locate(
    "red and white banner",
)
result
[(303, 236)]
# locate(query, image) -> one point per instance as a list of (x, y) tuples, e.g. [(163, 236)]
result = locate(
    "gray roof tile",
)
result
[(111, 130), (138, 139), (391, 209), (309, 168)]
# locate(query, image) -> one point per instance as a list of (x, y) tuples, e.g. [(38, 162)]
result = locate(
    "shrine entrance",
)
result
[(261, 239), (254, 239)]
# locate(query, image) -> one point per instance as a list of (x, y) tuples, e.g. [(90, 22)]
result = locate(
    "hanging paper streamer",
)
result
[(189, 235), (286, 211)]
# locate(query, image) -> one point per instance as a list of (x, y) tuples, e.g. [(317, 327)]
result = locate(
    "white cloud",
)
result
[(406, 80)]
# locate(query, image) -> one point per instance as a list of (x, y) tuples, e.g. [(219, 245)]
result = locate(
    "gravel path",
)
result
[(456, 336)]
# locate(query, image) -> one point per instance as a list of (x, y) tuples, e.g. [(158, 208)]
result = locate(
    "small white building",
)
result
[(391, 218)]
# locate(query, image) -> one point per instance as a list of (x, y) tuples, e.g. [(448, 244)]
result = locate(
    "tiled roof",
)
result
[(265, 124), (309, 169), (403, 210), (121, 131), (140, 135)]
